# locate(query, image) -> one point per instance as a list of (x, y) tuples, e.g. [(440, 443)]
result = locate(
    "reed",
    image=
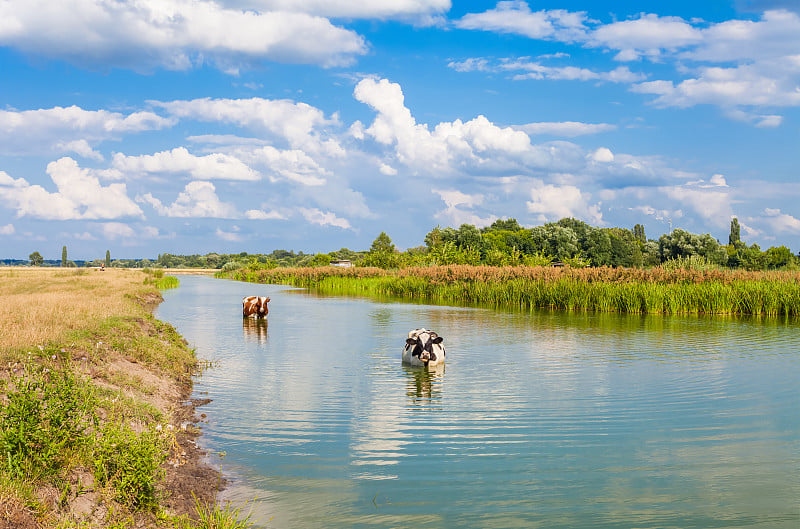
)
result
[(660, 290)]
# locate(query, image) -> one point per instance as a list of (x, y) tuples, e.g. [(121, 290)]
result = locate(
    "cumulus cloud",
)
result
[(553, 202), (709, 202), (470, 143), (171, 34), (516, 17), (738, 65), (300, 125), (781, 222), (322, 218), (418, 11), (459, 208), (761, 84), (647, 35), (198, 199), (70, 129), (8, 229), (215, 166), (79, 195)]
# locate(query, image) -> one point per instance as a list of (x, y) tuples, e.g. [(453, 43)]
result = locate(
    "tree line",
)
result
[(568, 241)]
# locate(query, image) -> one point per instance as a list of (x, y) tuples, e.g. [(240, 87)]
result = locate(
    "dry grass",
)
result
[(43, 305)]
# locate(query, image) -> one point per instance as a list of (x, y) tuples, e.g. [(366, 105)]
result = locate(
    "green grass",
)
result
[(670, 290)]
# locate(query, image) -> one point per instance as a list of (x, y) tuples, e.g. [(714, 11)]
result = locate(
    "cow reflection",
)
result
[(424, 385), (254, 330)]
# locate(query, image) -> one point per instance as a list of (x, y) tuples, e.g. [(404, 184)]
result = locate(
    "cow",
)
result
[(423, 348), (255, 306)]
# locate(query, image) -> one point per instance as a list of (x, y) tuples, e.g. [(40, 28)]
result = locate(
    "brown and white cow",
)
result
[(423, 348), (255, 306)]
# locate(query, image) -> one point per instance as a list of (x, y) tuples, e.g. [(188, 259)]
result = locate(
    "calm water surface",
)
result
[(538, 420)]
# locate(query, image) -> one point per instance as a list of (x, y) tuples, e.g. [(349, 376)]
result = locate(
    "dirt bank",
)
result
[(140, 371)]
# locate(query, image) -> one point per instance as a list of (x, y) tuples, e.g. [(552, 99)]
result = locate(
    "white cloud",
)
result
[(552, 202), (171, 34), (536, 70), (602, 155), (69, 129), (316, 216), (258, 214), (419, 11), (387, 170), (198, 199), (459, 206), (79, 147), (214, 166), (709, 203), (473, 64), (760, 84), (781, 222), (450, 144), (567, 129), (79, 195), (118, 230), (8, 229), (302, 126), (232, 236), (294, 164), (647, 35), (516, 17)]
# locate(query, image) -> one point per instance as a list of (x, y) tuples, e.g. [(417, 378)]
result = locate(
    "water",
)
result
[(538, 420)]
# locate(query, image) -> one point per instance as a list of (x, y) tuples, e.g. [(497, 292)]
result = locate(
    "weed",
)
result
[(44, 421), (129, 463)]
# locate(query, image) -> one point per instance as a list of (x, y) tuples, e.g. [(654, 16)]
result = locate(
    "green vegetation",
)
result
[(682, 286), (88, 385)]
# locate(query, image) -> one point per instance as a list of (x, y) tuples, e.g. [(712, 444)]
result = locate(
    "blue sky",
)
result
[(192, 126)]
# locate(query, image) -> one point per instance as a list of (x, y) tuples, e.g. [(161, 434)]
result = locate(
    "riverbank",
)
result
[(639, 291), (97, 427)]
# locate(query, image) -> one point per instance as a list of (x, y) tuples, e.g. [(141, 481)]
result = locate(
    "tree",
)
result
[(382, 253), (638, 233), (64, 257), (108, 258), (734, 239), (510, 224), (36, 259)]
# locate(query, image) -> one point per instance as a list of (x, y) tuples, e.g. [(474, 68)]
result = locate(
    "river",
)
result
[(542, 419)]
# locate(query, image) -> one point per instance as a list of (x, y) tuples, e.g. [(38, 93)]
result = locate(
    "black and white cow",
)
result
[(423, 348)]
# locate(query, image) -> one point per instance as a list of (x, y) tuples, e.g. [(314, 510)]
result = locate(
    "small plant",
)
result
[(129, 463), (216, 516), (44, 420)]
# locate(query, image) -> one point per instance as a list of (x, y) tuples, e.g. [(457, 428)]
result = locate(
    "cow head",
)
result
[(423, 342), (262, 306)]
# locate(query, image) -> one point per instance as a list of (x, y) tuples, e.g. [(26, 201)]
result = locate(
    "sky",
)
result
[(193, 126)]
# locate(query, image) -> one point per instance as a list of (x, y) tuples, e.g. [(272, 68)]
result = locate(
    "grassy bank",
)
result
[(647, 291), (93, 414)]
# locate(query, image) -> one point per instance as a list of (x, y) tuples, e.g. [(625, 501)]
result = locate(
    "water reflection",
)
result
[(424, 384), (255, 330), (575, 420)]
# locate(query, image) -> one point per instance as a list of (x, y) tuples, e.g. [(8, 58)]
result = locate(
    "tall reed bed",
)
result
[(651, 291)]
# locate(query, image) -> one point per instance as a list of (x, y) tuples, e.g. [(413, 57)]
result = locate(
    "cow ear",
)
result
[(411, 341), (438, 340), (266, 300)]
